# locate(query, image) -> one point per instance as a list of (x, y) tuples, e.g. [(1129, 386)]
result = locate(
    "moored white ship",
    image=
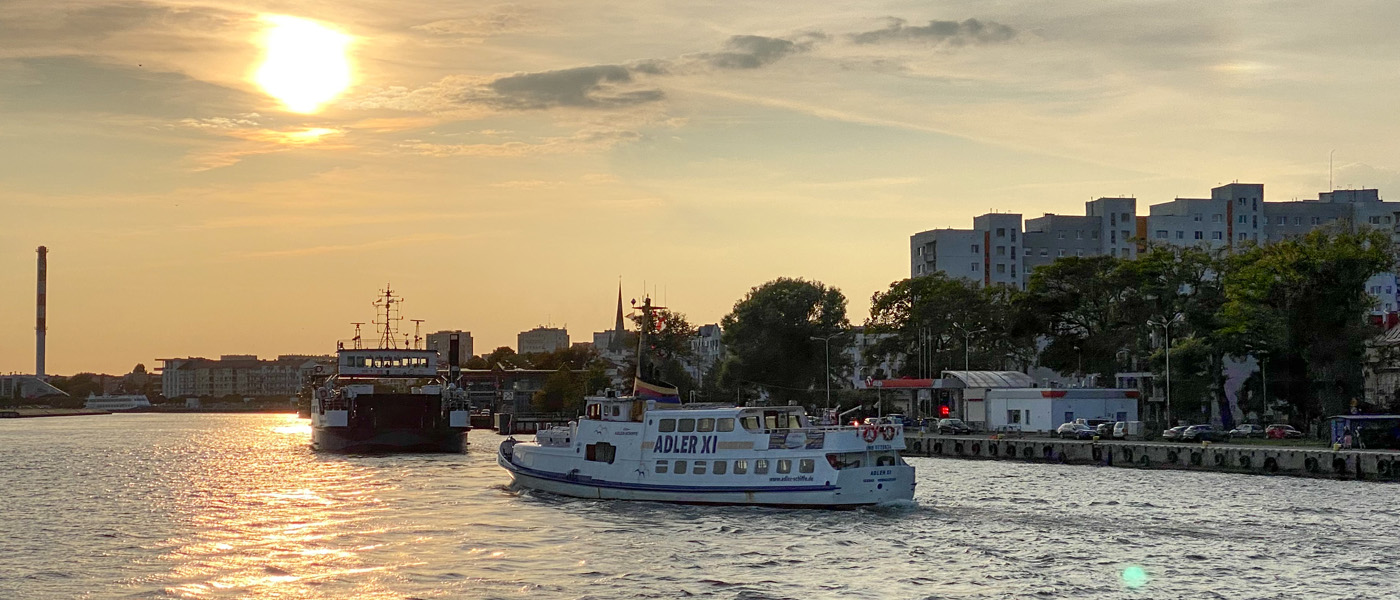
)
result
[(652, 447), (121, 402)]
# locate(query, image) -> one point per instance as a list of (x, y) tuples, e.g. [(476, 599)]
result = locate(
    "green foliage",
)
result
[(929, 319), (574, 357), (668, 347), (769, 335), (476, 362), (563, 391), (1089, 310), (506, 358)]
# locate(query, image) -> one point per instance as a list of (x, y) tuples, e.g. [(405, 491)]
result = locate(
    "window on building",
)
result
[(1028, 251), (1266, 220), (1013, 417), (1001, 250), (1196, 217), (1254, 203), (1059, 235), (1217, 235), (1079, 253), (1127, 235), (919, 269), (1001, 232), (1242, 219), (1113, 252), (1161, 234), (1316, 220), (1180, 235), (1375, 220), (1045, 252), (1242, 201), (1127, 217), (976, 249), (1001, 267), (1013, 251), (1059, 253), (1243, 237), (1079, 234), (1094, 234), (1013, 235), (1216, 218), (1297, 220), (974, 267)]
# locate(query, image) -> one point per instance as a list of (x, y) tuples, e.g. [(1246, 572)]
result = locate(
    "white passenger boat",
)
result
[(651, 447), (123, 402)]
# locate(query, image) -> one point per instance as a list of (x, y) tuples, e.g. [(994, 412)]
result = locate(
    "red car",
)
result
[(1279, 432)]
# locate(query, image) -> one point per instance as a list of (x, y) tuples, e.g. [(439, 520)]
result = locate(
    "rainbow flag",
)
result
[(660, 392)]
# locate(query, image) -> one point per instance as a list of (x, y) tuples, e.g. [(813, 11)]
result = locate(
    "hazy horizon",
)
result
[(206, 187)]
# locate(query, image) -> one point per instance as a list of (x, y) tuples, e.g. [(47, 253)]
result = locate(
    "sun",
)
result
[(306, 63)]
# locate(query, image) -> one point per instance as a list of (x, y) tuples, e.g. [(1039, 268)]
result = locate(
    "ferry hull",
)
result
[(342, 439), (856, 487)]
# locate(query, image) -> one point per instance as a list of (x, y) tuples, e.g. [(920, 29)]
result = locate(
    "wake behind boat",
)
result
[(388, 399), (652, 447)]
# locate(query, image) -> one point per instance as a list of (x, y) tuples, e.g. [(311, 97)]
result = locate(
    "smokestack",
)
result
[(454, 349), (41, 325)]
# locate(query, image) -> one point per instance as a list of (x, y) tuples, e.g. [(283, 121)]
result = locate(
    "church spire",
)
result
[(615, 340)]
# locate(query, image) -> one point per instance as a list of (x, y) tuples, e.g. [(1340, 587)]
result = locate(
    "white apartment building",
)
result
[(541, 339), (441, 341), (988, 253)]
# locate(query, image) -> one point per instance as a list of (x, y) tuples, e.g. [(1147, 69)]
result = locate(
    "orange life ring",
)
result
[(887, 432), (869, 432)]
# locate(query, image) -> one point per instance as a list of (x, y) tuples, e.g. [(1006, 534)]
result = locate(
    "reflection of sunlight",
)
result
[(306, 64)]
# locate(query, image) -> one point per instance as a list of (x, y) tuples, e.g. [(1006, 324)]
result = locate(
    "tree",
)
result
[(1301, 303), (1089, 310), (562, 391), (930, 321), (574, 357), (668, 349), (769, 337), (505, 357)]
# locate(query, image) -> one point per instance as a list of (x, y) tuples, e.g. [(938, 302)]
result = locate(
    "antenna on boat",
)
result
[(357, 335), (417, 332), (388, 328)]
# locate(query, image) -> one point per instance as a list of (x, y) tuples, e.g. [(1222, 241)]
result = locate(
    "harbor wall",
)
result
[(1263, 460)]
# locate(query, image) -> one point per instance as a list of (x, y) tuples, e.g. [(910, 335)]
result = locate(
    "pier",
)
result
[(1300, 461)]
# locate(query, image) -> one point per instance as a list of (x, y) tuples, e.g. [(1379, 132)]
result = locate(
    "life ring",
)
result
[(1245, 461), (1386, 468), (1339, 465), (869, 433), (918, 447), (992, 449), (887, 432), (1219, 459), (1143, 461), (938, 447), (1048, 451), (1097, 453), (1196, 459), (976, 448), (1310, 463), (1127, 455), (1271, 464), (958, 448), (1172, 456)]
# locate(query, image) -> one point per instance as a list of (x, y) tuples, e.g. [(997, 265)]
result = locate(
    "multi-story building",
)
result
[(239, 375), (706, 347), (988, 253), (541, 339), (442, 340)]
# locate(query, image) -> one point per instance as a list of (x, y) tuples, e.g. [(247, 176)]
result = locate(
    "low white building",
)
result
[(1036, 409)]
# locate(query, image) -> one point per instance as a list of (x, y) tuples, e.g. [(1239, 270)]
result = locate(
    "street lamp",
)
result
[(1167, 341), (826, 341), (967, 341)]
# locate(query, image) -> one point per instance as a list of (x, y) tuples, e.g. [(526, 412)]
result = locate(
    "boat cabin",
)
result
[(388, 363)]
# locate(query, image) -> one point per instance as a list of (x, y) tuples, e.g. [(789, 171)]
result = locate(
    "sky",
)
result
[(508, 165)]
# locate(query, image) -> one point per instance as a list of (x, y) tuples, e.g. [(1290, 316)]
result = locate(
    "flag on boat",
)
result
[(659, 391)]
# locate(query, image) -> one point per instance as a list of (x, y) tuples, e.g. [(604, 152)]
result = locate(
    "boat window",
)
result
[(885, 460), (699, 468), (595, 411), (760, 466), (666, 426), (806, 465), (770, 421), (705, 425), (784, 466), (600, 452), (617, 410), (794, 422), (680, 467), (660, 466), (687, 425), (741, 466), (725, 425), (720, 467), (751, 422)]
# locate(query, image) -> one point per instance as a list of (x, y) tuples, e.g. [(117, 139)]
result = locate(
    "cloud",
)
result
[(950, 33), (586, 140), (593, 87), (751, 52), (498, 20)]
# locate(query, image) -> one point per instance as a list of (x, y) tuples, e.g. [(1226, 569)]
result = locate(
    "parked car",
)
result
[(1173, 434), (1204, 433), (953, 427), (1280, 431), (1248, 430), (1078, 431), (1105, 429)]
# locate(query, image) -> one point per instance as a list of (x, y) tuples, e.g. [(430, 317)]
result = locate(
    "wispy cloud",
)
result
[(587, 140), (952, 33)]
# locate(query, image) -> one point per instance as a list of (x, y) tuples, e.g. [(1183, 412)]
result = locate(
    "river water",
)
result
[(237, 506)]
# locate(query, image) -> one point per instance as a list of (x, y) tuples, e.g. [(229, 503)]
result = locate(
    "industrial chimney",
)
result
[(41, 325)]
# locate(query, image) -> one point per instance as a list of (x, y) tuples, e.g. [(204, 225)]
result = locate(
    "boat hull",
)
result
[(344, 439), (854, 488)]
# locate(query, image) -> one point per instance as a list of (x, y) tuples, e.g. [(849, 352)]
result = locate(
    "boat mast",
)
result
[(388, 330)]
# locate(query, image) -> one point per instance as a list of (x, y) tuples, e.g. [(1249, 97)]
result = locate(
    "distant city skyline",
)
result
[(216, 177)]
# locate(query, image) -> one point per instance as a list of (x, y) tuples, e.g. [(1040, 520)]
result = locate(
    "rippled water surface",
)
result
[(237, 506)]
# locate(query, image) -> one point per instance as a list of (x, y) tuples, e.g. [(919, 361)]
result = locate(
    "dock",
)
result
[(1300, 461)]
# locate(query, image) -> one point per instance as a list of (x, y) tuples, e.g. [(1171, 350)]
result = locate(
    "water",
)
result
[(237, 506)]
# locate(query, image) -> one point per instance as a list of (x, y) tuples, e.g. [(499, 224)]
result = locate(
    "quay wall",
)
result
[(1264, 460)]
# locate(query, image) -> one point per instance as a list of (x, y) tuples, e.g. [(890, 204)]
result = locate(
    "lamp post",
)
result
[(967, 341), (826, 341), (1167, 342)]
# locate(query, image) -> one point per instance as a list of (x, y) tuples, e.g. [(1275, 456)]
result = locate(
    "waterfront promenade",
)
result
[(1303, 461)]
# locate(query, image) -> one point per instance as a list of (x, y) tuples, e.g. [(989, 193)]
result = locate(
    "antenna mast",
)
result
[(358, 345), (388, 328), (417, 331)]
